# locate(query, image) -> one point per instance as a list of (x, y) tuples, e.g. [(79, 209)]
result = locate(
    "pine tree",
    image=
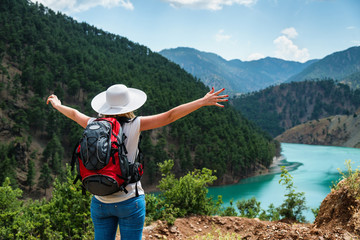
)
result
[(45, 179), (30, 174)]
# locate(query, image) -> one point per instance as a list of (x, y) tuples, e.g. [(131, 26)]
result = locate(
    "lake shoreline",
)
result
[(313, 169), (228, 180), (260, 171)]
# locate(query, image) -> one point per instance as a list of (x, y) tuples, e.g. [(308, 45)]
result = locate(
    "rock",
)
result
[(340, 210)]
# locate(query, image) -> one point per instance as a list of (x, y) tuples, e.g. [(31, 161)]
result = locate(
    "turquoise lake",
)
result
[(313, 168)]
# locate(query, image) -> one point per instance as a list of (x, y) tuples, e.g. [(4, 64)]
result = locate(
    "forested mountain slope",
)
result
[(338, 66), (279, 108), (338, 130), (352, 80), (44, 52), (236, 76)]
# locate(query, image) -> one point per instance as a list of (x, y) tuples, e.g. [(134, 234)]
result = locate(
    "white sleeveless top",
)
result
[(132, 132)]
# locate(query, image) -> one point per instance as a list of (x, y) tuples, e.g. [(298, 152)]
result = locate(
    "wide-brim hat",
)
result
[(118, 99)]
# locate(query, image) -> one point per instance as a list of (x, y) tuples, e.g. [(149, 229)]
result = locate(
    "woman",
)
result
[(120, 208)]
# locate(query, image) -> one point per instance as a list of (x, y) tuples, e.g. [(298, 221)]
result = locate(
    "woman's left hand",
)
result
[(213, 98)]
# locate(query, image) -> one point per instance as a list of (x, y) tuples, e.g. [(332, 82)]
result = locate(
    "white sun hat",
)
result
[(118, 99)]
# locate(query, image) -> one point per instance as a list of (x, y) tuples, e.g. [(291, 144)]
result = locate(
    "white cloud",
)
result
[(350, 27), (290, 32), (286, 49), (127, 4), (208, 4), (220, 36), (255, 56), (83, 5)]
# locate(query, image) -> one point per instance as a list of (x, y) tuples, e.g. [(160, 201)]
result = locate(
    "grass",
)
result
[(351, 179)]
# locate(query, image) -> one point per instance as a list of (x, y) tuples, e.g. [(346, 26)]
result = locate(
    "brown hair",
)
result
[(129, 115)]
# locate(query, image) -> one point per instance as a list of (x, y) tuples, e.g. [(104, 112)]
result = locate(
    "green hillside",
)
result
[(338, 66), (278, 108), (352, 80), (44, 52)]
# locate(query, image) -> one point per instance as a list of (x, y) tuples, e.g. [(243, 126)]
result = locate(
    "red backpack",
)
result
[(101, 161)]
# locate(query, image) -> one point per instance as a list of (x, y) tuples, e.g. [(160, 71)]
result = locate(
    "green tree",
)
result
[(30, 174), (10, 207), (56, 164), (74, 87), (53, 154), (45, 179), (36, 114), (7, 163), (21, 121), (294, 203)]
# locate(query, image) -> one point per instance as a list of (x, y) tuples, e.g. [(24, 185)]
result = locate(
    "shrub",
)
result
[(181, 197), (65, 216), (157, 209), (294, 204), (272, 214), (291, 209), (351, 179), (228, 211), (188, 193), (249, 208), (69, 209)]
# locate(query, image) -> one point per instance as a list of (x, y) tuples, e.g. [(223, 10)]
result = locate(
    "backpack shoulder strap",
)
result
[(74, 156)]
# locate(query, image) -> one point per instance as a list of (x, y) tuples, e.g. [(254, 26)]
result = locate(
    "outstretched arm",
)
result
[(163, 119), (69, 112)]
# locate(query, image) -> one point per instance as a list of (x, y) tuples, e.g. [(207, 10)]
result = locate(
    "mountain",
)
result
[(235, 75), (339, 130), (352, 80), (44, 52), (338, 66), (278, 108)]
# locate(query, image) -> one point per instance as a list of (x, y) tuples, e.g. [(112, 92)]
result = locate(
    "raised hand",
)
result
[(213, 98), (53, 99)]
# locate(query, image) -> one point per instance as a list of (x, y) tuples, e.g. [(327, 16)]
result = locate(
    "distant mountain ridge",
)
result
[(278, 108), (338, 66), (235, 75)]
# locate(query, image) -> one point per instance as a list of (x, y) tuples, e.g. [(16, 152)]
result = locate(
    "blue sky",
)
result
[(297, 30)]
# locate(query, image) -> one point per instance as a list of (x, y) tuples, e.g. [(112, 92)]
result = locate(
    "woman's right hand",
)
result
[(53, 99), (69, 112)]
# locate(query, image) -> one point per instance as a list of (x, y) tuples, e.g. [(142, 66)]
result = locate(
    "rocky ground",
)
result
[(338, 218), (201, 227)]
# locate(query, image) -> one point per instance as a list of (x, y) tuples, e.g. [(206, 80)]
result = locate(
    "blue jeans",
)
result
[(129, 215)]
